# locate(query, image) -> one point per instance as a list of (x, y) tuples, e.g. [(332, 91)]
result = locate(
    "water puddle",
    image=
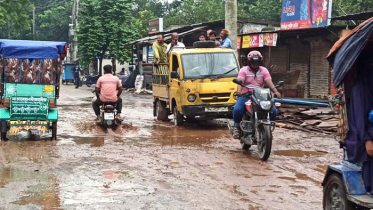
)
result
[(29, 188), (93, 141), (287, 178), (186, 135), (297, 153), (321, 168), (306, 178)]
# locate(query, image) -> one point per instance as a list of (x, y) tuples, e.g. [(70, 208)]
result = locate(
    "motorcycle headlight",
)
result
[(265, 105), (192, 98)]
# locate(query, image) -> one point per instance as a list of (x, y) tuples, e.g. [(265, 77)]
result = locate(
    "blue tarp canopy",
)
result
[(31, 49), (347, 54)]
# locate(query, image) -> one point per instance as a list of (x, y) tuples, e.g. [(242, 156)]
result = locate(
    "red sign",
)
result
[(238, 42), (259, 40)]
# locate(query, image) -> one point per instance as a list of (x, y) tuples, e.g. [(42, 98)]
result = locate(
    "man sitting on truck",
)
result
[(108, 90), (174, 43), (252, 75)]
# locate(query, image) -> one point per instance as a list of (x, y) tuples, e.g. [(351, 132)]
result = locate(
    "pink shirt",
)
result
[(249, 78), (108, 85)]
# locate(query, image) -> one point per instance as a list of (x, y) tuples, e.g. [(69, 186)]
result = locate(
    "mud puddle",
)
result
[(297, 153), (29, 189)]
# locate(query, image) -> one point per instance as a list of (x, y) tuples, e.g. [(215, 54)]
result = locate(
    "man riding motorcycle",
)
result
[(108, 90), (252, 75)]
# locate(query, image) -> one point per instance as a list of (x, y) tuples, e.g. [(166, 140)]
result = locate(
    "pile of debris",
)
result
[(308, 118)]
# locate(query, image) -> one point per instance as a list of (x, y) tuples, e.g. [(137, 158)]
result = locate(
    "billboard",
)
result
[(300, 14), (238, 42), (259, 40), (156, 26)]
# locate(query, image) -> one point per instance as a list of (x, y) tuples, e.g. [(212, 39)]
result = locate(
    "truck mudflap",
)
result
[(207, 110)]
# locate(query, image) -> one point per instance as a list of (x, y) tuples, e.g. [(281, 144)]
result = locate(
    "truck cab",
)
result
[(195, 83)]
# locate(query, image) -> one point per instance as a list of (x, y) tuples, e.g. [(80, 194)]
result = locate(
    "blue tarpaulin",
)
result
[(346, 56), (31, 49)]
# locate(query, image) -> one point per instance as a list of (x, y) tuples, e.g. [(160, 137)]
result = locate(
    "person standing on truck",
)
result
[(202, 37), (159, 50), (212, 37), (174, 43), (77, 74), (252, 75), (226, 42), (108, 90)]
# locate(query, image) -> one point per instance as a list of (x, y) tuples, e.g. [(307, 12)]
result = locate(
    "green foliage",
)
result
[(53, 24), (14, 17), (266, 10), (105, 26)]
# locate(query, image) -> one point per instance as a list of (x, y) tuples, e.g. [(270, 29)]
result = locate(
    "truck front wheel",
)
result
[(161, 111), (178, 118)]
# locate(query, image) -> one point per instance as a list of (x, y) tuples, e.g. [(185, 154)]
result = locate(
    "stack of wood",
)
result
[(308, 118)]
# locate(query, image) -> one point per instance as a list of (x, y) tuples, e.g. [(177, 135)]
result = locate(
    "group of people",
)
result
[(211, 35), (161, 50)]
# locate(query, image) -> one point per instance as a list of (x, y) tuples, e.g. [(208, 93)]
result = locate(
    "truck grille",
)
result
[(215, 97)]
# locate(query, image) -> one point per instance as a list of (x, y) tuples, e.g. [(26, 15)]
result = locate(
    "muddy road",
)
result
[(147, 164)]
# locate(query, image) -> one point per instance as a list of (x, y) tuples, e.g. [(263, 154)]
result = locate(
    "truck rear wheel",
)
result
[(178, 118), (161, 111), (54, 131)]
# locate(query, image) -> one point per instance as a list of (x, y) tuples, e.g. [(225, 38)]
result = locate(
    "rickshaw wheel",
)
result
[(3, 136), (54, 131), (335, 194)]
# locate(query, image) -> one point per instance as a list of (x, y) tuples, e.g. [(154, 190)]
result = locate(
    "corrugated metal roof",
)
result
[(152, 39), (358, 16)]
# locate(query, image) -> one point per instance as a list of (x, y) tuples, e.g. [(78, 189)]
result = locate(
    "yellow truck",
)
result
[(195, 83)]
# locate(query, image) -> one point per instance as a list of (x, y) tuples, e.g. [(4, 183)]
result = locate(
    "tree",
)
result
[(14, 17), (104, 29), (266, 10), (53, 24)]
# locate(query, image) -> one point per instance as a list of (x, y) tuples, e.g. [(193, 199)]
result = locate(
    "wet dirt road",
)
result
[(154, 165)]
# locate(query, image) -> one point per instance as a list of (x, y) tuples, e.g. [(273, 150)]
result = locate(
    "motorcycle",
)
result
[(90, 80), (256, 126), (108, 114)]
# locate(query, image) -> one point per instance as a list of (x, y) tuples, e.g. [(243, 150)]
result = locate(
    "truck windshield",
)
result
[(205, 65)]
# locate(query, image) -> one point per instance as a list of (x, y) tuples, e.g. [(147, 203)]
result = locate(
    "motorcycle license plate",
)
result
[(108, 116), (216, 109)]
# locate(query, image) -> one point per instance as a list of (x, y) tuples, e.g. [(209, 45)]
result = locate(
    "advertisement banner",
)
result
[(259, 40), (300, 14), (156, 26), (238, 42)]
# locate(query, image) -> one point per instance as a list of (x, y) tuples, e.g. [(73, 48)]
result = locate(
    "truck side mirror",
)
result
[(174, 75)]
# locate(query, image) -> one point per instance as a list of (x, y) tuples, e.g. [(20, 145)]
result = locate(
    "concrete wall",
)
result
[(119, 66)]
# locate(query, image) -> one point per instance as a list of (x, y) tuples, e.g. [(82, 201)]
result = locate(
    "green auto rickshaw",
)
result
[(30, 74)]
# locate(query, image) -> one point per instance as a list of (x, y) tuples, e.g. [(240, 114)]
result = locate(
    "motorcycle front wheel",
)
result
[(264, 142)]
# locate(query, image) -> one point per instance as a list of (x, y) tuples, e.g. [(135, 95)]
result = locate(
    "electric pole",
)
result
[(73, 30), (231, 21), (33, 24)]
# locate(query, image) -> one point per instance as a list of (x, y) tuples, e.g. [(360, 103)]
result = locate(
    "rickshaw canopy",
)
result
[(22, 49), (345, 52)]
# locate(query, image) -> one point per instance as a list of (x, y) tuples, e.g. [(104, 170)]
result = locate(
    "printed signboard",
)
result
[(259, 40), (300, 14), (29, 106), (156, 26)]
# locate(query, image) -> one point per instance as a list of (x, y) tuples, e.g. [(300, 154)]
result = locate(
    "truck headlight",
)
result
[(192, 98), (265, 105)]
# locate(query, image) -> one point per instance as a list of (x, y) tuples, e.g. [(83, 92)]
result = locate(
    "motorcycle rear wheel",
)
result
[(264, 142), (245, 147)]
